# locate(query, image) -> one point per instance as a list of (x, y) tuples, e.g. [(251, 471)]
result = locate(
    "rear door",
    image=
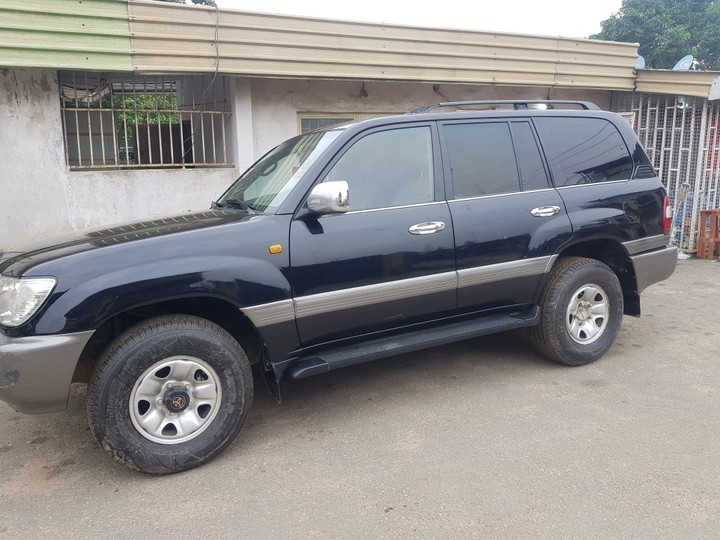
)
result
[(592, 169), (508, 221), (389, 261)]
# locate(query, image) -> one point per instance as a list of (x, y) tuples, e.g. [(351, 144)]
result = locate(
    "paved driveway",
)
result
[(482, 438)]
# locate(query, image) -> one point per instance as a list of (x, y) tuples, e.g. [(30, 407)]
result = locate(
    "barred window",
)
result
[(115, 121)]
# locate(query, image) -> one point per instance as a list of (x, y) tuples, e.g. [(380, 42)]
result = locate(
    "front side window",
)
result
[(266, 185), (482, 159), (388, 168), (584, 150)]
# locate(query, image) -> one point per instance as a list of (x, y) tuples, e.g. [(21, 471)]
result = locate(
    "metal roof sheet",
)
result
[(681, 83), (65, 34), (168, 37)]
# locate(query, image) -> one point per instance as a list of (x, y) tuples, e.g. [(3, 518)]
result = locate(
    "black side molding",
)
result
[(414, 341)]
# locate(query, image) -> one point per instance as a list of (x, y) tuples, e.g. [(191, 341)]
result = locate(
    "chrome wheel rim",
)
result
[(587, 314), (175, 400)]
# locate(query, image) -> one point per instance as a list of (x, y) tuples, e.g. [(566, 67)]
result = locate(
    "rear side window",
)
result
[(482, 160), (584, 150), (532, 171)]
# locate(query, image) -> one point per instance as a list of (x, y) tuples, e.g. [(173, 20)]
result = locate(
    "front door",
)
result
[(389, 261)]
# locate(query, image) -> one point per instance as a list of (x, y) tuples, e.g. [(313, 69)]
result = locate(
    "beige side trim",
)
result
[(646, 244), (306, 306), (502, 271), (367, 295), (272, 313)]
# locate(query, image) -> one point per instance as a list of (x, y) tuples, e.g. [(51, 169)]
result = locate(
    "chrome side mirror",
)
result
[(329, 198)]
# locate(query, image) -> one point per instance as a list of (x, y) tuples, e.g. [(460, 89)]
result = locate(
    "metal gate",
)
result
[(682, 138)]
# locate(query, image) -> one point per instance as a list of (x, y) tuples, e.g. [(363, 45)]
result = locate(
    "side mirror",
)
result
[(329, 198)]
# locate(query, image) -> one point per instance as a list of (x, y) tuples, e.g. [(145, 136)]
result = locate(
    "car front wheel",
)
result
[(169, 394)]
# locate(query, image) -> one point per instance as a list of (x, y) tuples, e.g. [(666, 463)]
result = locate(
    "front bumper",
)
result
[(654, 266), (36, 371)]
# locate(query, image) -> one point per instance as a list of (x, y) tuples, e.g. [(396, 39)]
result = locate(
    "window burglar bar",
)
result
[(127, 122), (682, 137)]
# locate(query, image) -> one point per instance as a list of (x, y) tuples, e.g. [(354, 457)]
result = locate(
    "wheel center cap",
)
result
[(176, 401), (583, 313)]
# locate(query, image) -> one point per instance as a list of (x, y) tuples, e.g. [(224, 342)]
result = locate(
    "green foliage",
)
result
[(667, 30), (142, 109)]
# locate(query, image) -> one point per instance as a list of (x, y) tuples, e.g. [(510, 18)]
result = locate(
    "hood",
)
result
[(17, 261)]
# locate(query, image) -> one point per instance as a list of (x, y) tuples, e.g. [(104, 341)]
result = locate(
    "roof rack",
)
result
[(516, 104)]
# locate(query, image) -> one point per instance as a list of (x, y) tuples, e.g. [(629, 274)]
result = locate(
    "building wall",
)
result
[(276, 103), (104, 197), (35, 196), (40, 197)]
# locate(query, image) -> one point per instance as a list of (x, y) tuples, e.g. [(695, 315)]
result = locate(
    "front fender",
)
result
[(242, 281)]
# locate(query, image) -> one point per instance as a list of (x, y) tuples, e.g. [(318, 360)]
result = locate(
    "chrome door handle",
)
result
[(428, 227), (545, 211)]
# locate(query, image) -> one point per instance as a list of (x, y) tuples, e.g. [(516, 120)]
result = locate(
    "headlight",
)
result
[(20, 298)]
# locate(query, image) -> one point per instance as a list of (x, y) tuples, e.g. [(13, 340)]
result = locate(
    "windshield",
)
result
[(264, 186)]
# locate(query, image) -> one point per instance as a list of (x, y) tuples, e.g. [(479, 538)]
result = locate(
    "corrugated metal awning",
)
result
[(150, 37), (680, 83), (168, 37), (65, 34)]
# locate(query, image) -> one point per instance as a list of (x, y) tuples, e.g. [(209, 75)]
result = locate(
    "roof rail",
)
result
[(516, 104)]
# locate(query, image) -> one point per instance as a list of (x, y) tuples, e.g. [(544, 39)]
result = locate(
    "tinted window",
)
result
[(583, 150), (482, 161), (266, 184), (532, 171), (388, 168)]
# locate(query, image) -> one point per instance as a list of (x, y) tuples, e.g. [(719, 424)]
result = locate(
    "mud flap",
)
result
[(272, 382)]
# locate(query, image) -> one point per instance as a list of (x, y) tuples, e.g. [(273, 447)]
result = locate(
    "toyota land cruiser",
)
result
[(339, 246)]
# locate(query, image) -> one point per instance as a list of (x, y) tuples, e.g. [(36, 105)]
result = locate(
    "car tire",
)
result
[(582, 309), (169, 393)]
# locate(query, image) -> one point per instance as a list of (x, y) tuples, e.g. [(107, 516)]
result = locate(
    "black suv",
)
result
[(339, 246)]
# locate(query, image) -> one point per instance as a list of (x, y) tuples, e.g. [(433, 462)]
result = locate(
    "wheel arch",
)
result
[(221, 312), (611, 253)]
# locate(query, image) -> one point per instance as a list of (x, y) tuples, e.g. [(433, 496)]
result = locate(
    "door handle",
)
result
[(545, 211), (428, 227)]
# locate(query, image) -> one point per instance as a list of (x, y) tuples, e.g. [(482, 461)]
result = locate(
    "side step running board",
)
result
[(414, 341)]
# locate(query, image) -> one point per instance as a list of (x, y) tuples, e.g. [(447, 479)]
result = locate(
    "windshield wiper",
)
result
[(234, 203)]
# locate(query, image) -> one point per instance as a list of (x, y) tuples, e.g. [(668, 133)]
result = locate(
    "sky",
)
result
[(568, 18)]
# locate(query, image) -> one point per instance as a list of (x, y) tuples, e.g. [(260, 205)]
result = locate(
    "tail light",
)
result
[(667, 216)]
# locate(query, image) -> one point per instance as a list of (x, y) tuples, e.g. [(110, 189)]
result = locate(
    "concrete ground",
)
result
[(479, 439)]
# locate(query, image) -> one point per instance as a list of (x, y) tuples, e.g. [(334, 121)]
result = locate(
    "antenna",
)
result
[(640, 64), (684, 64)]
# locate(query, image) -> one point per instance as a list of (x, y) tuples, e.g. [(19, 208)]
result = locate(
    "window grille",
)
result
[(682, 138), (128, 122)]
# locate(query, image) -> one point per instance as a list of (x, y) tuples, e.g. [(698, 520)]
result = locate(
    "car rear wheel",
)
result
[(169, 394), (582, 309)]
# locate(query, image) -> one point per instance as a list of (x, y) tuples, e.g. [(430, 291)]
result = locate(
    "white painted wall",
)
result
[(40, 197), (33, 183), (104, 197)]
